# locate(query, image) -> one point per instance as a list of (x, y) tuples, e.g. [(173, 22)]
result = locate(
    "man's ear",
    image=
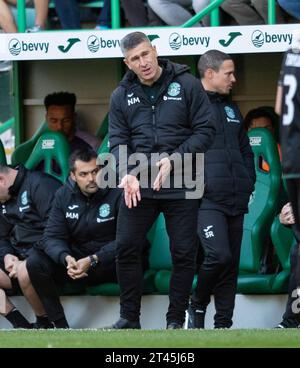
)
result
[(209, 73), (73, 177), (3, 181), (126, 63)]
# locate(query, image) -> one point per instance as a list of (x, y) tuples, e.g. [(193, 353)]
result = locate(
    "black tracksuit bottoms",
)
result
[(291, 317), (293, 189), (133, 226), (220, 237), (46, 276)]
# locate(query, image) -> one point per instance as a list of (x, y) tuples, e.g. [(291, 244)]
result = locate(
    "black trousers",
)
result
[(46, 275), (291, 317), (133, 226), (220, 237)]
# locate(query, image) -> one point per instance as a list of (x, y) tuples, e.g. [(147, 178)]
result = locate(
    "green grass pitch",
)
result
[(149, 338)]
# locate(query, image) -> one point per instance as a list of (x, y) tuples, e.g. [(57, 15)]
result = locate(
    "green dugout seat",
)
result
[(283, 240), (104, 148), (71, 289), (52, 148), (102, 131), (262, 207), (113, 289), (160, 256), (23, 151), (2, 154)]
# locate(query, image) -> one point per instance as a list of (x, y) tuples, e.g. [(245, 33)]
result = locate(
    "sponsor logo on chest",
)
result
[(231, 116), (104, 212), (24, 201), (173, 92)]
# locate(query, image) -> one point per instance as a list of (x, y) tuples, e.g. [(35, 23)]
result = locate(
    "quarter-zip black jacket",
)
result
[(23, 217), (178, 121), (80, 226), (229, 167)]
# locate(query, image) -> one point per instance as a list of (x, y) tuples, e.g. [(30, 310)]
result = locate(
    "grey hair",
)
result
[(131, 40), (212, 59)]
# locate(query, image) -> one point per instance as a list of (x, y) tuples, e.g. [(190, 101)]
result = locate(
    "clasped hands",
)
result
[(77, 269)]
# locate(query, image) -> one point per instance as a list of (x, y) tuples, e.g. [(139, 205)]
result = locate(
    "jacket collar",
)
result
[(15, 188), (217, 97)]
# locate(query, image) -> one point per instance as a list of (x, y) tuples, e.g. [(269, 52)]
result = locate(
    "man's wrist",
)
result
[(94, 260)]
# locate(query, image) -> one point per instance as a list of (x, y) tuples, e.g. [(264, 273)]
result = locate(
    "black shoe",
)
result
[(174, 326), (287, 325), (42, 322), (37, 325), (43, 326), (123, 323), (60, 323), (280, 325), (195, 318)]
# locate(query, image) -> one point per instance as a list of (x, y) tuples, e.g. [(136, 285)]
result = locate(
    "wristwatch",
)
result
[(94, 261)]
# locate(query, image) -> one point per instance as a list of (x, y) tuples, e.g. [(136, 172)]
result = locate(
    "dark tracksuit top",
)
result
[(229, 176), (290, 138), (23, 217), (290, 117), (229, 170), (178, 121), (80, 226)]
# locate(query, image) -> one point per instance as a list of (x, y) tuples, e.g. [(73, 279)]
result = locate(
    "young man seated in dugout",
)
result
[(79, 240)]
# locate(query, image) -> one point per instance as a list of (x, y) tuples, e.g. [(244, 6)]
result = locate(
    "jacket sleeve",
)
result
[(5, 245), (56, 235), (43, 195), (107, 253), (119, 134), (247, 153), (201, 120)]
